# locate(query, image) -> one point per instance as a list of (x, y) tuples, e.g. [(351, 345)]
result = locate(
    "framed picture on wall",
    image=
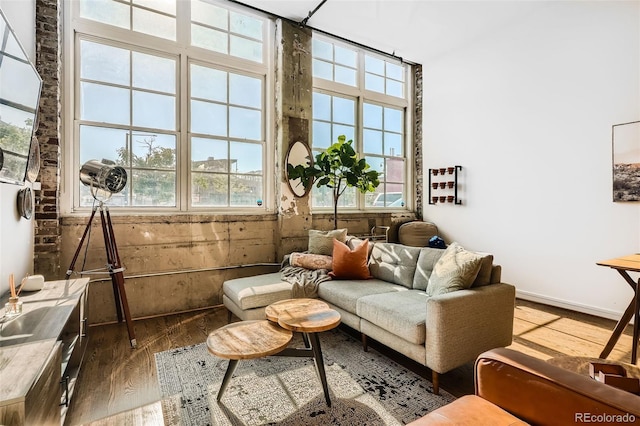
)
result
[(625, 139)]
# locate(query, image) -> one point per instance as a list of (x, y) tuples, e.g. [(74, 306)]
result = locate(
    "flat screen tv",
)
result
[(20, 87)]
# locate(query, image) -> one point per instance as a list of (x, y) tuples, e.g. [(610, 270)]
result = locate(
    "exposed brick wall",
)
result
[(417, 139), (48, 64)]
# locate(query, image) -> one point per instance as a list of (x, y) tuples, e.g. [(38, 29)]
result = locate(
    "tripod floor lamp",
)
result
[(104, 180)]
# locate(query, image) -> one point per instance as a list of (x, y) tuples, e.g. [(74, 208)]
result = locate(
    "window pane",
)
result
[(106, 11), (322, 50), (321, 107), (339, 129), (153, 151), (377, 164), (322, 69), (98, 143), (393, 144), (346, 57), (373, 65), (245, 123), (374, 82), (246, 49), (154, 24), (209, 189), (208, 83), (344, 110), (245, 190), (372, 116), (322, 197), (103, 103), (348, 198), (209, 155), (166, 6), (395, 173), (246, 25), (393, 120), (104, 63), (154, 73), (245, 91), (153, 110), (372, 141), (153, 188), (246, 158), (209, 39), (321, 135), (345, 75), (208, 118), (395, 71), (209, 14), (121, 199), (395, 88)]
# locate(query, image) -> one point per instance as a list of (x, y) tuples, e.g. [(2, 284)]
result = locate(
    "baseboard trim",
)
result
[(578, 307)]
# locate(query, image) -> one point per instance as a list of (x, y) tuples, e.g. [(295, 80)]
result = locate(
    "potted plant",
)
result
[(337, 168)]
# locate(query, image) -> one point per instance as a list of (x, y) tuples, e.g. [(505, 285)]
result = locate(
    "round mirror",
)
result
[(299, 154)]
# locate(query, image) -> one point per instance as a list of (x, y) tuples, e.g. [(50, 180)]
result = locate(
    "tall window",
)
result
[(364, 97), (133, 61)]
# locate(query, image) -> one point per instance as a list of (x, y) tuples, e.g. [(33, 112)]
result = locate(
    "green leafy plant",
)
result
[(337, 168)]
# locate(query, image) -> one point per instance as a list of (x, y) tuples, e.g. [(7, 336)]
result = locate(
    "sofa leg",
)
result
[(365, 346), (229, 316), (435, 380)]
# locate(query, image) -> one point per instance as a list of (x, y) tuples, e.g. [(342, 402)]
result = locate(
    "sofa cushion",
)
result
[(310, 261), (486, 267), (456, 269), (395, 263), (257, 291), (426, 262), (321, 242), (345, 293), (350, 264), (402, 313)]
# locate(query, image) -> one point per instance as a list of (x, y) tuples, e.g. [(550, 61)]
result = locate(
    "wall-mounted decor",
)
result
[(443, 185), (625, 140), (19, 96), (25, 202)]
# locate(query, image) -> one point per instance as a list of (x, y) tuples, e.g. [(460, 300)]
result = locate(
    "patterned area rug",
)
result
[(366, 388)]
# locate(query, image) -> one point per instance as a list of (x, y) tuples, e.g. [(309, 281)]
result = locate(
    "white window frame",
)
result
[(75, 27), (361, 95)]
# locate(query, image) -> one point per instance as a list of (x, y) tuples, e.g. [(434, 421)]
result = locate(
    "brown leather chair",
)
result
[(512, 388)]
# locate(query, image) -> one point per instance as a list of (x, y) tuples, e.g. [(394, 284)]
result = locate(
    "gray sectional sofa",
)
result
[(441, 331)]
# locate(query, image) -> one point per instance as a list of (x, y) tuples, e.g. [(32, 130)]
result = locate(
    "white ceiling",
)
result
[(417, 30)]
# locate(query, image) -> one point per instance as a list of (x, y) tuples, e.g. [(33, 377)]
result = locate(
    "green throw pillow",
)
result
[(321, 242), (455, 270)]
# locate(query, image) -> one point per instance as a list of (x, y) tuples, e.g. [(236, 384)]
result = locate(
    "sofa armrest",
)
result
[(540, 393), (463, 324)]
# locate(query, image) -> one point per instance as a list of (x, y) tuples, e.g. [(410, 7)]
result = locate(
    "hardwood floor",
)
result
[(118, 385)]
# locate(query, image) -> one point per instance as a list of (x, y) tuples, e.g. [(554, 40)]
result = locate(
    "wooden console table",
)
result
[(623, 265), (41, 351)]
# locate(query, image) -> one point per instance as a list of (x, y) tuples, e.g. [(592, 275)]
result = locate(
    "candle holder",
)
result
[(13, 307)]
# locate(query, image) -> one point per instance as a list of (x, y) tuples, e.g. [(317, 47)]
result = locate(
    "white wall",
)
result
[(527, 109), (16, 233)]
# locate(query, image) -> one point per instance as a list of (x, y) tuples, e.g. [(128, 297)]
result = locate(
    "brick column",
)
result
[(48, 64), (417, 140)]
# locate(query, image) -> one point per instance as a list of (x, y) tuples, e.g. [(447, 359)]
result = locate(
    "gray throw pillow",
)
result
[(321, 242), (455, 270)]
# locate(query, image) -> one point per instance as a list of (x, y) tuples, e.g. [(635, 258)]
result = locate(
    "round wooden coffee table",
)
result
[(246, 340), (309, 317)]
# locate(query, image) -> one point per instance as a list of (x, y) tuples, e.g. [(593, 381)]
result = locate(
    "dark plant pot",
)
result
[(435, 172), (434, 199), (434, 185), (450, 184), (443, 184), (451, 170), (443, 198), (450, 198), (442, 170)]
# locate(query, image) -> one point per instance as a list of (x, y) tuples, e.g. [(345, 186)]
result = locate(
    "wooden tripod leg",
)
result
[(81, 243), (117, 275)]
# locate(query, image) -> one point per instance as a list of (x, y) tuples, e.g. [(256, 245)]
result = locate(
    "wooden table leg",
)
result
[(636, 326), (233, 363), (617, 332)]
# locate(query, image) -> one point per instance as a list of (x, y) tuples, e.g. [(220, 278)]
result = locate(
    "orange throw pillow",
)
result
[(350, 264)]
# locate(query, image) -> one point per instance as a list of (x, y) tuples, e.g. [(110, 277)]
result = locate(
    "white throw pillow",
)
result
[(455, 270)]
